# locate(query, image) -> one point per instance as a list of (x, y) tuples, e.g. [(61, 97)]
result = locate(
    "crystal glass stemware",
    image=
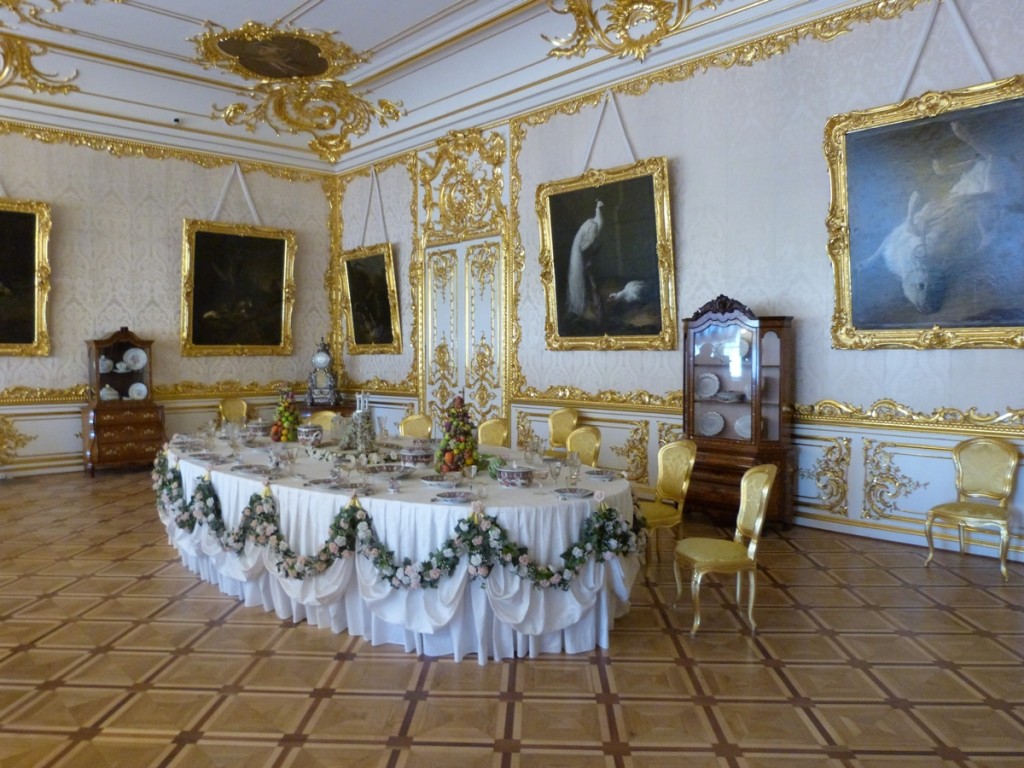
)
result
[(556, 471)]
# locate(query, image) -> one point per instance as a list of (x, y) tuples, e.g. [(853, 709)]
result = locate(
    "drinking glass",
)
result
[(469, 472), (540, 475), (528, 453), (382, 430), (556, 471)]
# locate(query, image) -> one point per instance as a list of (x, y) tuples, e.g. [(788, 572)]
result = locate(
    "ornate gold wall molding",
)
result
[(462, 183), (669, 433), (888, 413), (884, 482), (137, 149), (660, 18), (188, 390), (11, 440), (524, 429), (830, 473), (634, 451), (636, 400), (19, 395)]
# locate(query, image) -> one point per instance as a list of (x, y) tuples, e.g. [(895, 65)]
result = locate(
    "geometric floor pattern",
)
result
[(113, 654)]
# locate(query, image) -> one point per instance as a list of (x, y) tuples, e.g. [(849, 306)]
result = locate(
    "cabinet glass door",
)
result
[(722, 382)]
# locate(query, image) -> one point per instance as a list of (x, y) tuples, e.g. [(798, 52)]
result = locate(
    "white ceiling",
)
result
[(450, 64)]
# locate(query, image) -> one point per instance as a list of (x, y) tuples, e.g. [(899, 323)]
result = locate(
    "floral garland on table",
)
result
[(479, 537)]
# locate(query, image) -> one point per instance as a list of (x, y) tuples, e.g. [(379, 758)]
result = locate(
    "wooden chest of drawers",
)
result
[(121, 434)]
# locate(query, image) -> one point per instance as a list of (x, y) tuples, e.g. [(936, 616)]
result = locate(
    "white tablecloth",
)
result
[(498, 617)]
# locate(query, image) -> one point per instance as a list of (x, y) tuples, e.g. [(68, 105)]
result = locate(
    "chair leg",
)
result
[(928, 535), (960, 530), (1004, 546), (695, 590), (678, 571), (752, 590), (651, 545), (739, 590)]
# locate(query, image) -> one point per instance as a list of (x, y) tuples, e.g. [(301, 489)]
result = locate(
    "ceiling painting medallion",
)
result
[(629, 27), (298, 86)]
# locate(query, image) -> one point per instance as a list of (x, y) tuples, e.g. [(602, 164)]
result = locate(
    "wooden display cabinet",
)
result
[(738, 395), (121, 425)]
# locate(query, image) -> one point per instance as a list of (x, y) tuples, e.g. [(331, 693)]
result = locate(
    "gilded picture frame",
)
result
[(371, 301), (237, 289), (615, 291), (926, 223), (24, 277)]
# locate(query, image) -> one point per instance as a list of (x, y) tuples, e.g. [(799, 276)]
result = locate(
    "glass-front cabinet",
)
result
[(738, 393), (121, 425)]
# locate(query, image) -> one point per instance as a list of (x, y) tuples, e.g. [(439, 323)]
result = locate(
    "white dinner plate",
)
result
[(711, 423), (573, 493), (135, 358), (744, 348), (707, 385), (138, 391), (454, 497), (441, 481), (605, 475), (742, 426)]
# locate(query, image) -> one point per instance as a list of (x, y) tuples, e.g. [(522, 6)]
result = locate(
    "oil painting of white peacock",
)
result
[(607, 259), (932, 194)]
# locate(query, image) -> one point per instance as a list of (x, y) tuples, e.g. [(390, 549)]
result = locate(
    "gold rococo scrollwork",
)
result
[(634, 451), (829, 473), (884, 482), (186, 390), (19, 71), (462, 183), (889, 413), (639, 400), (11, 440), (298, 85), (659, 19)]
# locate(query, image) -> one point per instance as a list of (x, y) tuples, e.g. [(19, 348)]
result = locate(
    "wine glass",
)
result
[(540, 475), (528, 453), (469, 472), (382, 430), (556, 471)]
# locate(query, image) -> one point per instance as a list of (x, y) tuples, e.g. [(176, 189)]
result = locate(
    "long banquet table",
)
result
[(501, 616)]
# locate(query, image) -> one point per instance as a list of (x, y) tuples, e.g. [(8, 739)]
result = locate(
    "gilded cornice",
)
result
[(744, 54), (888, 413), (637, 400), (39, 395), (186, 390), (138, 149)]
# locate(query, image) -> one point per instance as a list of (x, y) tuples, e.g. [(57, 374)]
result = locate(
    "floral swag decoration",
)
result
[(479, 538)]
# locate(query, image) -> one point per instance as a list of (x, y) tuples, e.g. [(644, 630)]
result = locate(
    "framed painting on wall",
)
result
[(237, 289), (926, 226), (24, 277), (371, 301), (606, 259)]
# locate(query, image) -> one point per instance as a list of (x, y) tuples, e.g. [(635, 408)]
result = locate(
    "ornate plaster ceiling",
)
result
[(339, 83)]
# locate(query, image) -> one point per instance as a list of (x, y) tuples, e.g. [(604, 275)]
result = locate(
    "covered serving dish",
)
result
[(514, 477)]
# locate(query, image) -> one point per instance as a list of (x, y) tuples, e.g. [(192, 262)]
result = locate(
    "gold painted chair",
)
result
[(415, 425), (706, 555), (560, 423), (675, 465), (586, 441), (492, 432), (985, 473), (323, 419), (234, 410)]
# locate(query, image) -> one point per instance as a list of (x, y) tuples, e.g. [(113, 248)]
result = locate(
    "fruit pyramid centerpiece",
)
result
[(458, 439), (285, 428)]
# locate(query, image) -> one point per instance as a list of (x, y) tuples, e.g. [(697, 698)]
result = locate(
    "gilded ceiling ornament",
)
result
[(298, 86), (884, 482), (31, 12), (19, 71), (630, 27)]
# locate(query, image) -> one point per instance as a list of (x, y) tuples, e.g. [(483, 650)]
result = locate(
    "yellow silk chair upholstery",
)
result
[(707, 555), (560, 423), (416, 425), (493, 432), (985, 472), (586, 441), (234, 410), (675, 465)]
